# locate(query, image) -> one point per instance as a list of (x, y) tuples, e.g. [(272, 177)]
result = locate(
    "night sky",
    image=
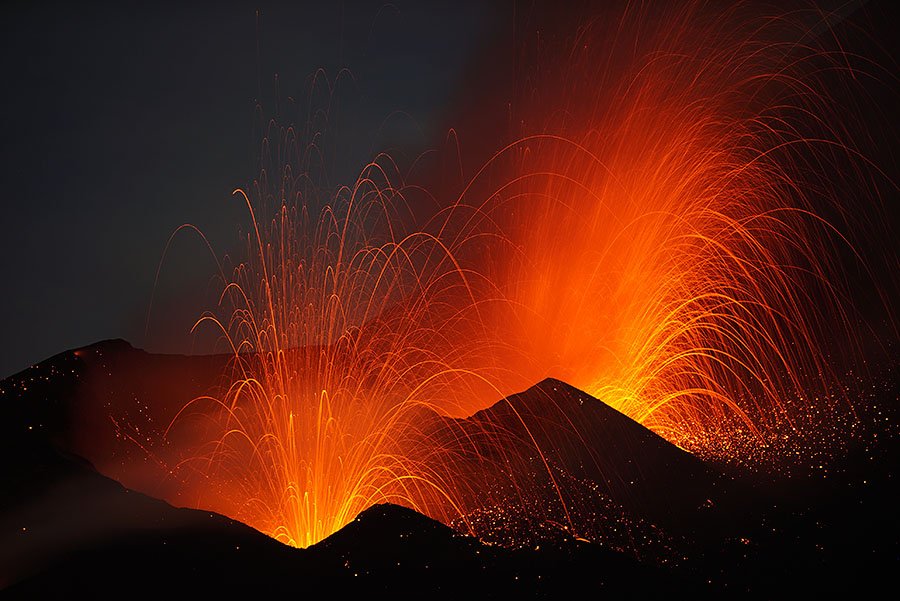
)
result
[(122, 122)]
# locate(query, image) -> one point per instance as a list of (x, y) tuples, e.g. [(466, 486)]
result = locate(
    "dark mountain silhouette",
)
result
[(393, 541), (69, 531), (565, 433), (664, 522), (110, 403)]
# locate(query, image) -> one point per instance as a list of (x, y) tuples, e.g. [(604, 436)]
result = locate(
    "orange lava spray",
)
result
[(676, 221), (653, 236), (343, 328)]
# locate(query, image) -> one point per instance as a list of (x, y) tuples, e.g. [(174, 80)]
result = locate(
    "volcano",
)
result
[(609, 506), (68, 528)]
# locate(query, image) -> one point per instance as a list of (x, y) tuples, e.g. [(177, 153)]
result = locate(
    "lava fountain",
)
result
[(343, 329), (675, 209), (661, 233)]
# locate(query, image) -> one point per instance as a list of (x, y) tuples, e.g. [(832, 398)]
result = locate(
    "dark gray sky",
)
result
[(121, 122)]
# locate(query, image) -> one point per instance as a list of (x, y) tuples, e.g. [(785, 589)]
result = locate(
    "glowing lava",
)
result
[(674, 219), (658, 242), (343, 328)]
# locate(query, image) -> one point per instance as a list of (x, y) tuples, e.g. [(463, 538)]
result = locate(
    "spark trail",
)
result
[(661, 233)]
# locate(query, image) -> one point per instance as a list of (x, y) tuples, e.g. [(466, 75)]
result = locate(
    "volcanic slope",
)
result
[(554, 462), (68, 529), (543, 468)]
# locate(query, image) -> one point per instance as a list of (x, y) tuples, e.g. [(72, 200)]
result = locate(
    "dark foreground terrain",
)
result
[(66, 530)]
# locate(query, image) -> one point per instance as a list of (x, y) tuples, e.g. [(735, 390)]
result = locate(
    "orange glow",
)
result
[(652, 237), (339, 343), (666, 213)]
